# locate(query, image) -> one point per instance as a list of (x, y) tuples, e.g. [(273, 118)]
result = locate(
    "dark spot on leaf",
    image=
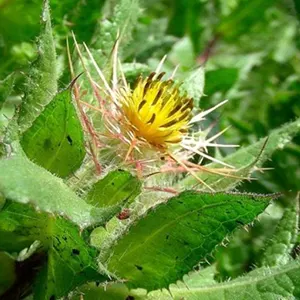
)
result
[(75, 251), (185, 243), (52, 297), (180, 202), (69, 140), (176, 257), (129, 298), (139, 267), (47, 144), (120, 170), (112, 183), (167, 237)]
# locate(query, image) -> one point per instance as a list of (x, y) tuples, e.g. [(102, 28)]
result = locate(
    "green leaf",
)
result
[(220, 80), (70, 260), (182, 54), (24, 182), (171, 239), (7, 274), (116, 188), (247, 245), (149, 38), (203, 277), (41, 85), (55, 140), (119, 291), (246, 158), (245, 15), (6, 87), (194, 85), (278, 249), (110, 291), (123, 20), (265, 283)]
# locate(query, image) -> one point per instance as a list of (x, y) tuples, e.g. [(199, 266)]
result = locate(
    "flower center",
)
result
[(156, 112)]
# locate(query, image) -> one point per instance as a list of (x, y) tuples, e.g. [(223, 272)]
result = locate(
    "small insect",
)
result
[(124, 214)]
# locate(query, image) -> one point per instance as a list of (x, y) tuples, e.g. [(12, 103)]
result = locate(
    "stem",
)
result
[(206, 54)]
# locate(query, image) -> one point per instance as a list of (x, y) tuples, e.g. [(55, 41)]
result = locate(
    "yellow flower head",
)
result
[(155, 111), (147, 126)]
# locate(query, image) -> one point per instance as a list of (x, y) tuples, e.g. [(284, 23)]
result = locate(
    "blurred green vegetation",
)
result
[(251, 53)]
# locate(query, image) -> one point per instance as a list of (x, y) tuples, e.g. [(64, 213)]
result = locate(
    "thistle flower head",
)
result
[(147, 126), (155, 111)]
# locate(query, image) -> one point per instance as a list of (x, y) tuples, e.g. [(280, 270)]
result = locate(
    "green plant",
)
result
[(77, 220)]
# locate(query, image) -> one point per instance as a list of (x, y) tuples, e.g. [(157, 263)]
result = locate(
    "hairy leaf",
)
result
[(119, 291), (278, 249), (70, 260), (6, 87), (41, 84), (55, 139), (24, 182), (245, 159), (194, 85), (171, 239), (116, 188), (122, 21), (265, 283)]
